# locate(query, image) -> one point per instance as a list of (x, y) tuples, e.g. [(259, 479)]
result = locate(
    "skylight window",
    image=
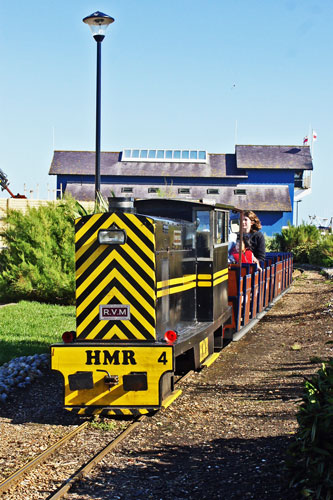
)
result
[(166, 155)]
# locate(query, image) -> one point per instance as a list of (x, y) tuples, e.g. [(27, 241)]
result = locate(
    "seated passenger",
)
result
[(247, 255)]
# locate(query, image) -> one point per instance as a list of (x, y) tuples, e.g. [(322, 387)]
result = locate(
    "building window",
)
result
[(126, 190), (240, 191), (184, 191), (169, 155), (298, 179), (152, 190), (212, 191)]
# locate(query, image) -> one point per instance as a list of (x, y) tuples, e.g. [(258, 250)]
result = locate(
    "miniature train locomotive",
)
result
[(151, 301)]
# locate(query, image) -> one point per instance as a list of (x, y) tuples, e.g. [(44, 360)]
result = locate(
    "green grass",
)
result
[(30, 327)]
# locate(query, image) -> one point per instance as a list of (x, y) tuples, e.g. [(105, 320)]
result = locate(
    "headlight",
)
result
[(111, 237)]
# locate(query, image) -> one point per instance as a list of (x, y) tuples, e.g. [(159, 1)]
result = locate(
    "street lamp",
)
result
[(98, 23), (297, 202)]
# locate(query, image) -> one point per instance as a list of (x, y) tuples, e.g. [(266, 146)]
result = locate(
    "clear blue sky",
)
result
[(176, 73)]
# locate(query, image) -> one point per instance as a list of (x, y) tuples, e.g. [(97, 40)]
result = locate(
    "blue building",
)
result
[(266, 179)]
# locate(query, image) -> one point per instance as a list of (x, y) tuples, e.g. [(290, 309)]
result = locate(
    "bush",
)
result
[(306, 243), (311, 464), (38, 263), (323, 254)]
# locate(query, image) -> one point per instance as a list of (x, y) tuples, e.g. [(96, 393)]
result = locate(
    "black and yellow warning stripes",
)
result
[(209, 280), (102, 411), (115, 274), (176, 285)]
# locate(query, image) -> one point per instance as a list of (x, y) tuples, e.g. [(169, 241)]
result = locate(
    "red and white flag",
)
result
[(314, 135), (305, 140)]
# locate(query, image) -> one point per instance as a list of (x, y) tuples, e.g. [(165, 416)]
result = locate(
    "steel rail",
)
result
[(16, 476), (85, 469)]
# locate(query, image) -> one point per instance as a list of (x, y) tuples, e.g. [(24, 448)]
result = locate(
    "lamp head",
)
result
[(98, 23)]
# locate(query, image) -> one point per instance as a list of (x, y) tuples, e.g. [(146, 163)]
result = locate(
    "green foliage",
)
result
[(311, 455), (104, 425), (323, 254), (100, 205), (270, 243), (306, 243), (38, 263)]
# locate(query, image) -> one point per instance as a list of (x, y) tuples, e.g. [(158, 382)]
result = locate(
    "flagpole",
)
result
[(314, 138)]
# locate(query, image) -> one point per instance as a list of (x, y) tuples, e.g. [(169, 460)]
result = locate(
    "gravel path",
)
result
[(226, 436)]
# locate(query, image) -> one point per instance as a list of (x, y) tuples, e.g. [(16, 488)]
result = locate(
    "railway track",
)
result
[(17, 477)]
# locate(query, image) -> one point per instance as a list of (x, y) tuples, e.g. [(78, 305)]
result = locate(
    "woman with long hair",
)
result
[(255, 238)]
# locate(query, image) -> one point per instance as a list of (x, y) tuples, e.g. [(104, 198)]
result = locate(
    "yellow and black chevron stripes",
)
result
[(176, 285), (115, 274), (208, 280), (102, 411)]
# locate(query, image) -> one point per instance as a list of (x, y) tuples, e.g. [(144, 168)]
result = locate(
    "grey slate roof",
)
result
[(83, 163), (259, 197), (279, 157), (217, 166)]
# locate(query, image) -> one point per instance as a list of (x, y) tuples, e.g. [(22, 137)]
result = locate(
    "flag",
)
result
[(314, 135), (305, 140)]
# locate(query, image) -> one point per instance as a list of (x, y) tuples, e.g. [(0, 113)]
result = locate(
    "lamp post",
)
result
[(98, 23), (297, 202)]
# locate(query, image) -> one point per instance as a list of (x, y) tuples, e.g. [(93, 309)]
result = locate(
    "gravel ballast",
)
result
[(224, 437)]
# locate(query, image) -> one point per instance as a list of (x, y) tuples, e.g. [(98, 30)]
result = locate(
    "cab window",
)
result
[(220, 232), (203, 225)]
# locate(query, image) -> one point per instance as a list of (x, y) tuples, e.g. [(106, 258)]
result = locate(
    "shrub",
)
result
[(306, 243), (323, 253), (38, 263), (310, 463)]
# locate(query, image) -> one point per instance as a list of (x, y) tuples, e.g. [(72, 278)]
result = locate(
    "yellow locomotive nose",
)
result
[(101, 376)]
